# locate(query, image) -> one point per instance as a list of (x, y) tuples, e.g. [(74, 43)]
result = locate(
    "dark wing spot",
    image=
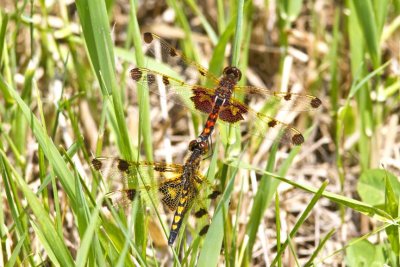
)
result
[(165, 80), (288, 96), (214, 194), (96, 164), (130, 194), (316, 102), (202, 73), (297, 139), (123, 165), (151, 78), (159, 168), (136, 74), (204, 230), (172, 52), (148, 37), (272, 123), (200, 213)]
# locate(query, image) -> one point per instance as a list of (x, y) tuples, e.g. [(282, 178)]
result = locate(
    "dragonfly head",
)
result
[(198, 145), (233, 73)]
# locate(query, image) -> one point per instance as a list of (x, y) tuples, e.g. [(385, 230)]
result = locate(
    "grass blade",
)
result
[(49, 149), (94, 18), (53, 243), (367, 19), (301, 220)]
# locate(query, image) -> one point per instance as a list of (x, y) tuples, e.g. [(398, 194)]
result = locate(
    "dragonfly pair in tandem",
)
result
[(185, 182)]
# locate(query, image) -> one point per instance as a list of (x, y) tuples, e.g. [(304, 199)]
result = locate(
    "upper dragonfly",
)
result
[(219, 101)]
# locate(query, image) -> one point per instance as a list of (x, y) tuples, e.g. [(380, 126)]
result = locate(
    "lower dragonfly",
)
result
[(179, 186)]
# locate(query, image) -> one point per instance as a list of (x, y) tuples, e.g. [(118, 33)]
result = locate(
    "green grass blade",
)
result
[(301, 220), (262, 199), (218, 56), (3, 29), (357, 49), (321, 244), (53, 243), (392, 207), (17, 249), (14, 204), (94, 18), (86, 242), (291, 9), (367, 19), (381, 8), (213, 241), (206, 25), (348, 202), (221, 16), (237, 41), (360, 239), (358, 85), (278, 227), (49, 149), (187, 44), (143, 94)]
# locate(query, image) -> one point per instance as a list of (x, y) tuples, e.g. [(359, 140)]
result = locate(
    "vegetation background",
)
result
[(66, 95)]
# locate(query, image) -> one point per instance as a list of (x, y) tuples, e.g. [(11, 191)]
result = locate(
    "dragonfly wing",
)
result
[(282, 132), (264, 126), (190, 192), (123, 197), (203, 99), (131, 172), (160, 49), (171, 191), (194, 97), (286, 100), (233, 111), (144, 178)]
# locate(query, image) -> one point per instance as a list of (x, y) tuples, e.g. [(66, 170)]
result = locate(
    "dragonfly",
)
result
[(218, 100), (179, 187)]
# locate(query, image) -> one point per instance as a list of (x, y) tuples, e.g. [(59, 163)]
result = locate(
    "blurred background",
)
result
[(66, 96)]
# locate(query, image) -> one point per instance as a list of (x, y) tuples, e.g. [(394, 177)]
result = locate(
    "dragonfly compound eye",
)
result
[(233, 72), (192, 145), (204, 147)]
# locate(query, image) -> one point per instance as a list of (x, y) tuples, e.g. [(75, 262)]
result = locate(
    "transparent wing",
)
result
[(288, 101), (122, 197), (149, 179), (173, 57), (233, 112), (201, 208), (201, 100), (193, 97), (167, 180), (131, 172), (285, 100)]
